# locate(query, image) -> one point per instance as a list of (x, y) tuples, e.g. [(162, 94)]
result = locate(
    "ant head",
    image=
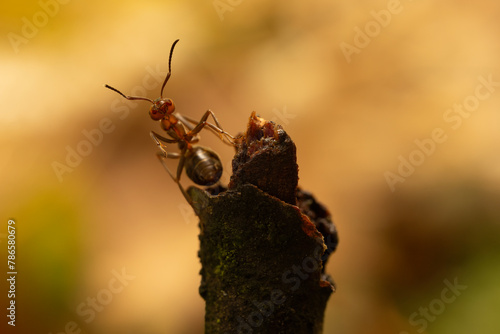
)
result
[(161, 107)]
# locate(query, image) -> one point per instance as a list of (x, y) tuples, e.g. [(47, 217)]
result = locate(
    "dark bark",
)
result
[(262, 242)]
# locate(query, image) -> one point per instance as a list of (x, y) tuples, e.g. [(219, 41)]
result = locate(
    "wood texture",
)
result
[(262, 257)]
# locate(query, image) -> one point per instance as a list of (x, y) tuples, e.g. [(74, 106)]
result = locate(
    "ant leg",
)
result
[(156, 138), (186, 120), (216, 129), (180, 167), (162, 156)]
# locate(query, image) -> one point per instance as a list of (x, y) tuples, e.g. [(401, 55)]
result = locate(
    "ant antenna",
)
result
[(129, 97), (169, 69)]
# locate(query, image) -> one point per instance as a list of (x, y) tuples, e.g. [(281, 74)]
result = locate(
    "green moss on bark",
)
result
[(262, 258)]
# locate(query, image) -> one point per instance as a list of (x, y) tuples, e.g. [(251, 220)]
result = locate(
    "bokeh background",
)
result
[(352, 118)]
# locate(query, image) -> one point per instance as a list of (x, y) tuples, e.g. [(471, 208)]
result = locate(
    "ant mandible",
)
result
[(202, 165)]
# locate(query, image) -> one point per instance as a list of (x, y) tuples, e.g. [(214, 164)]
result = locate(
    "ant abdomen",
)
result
[(203, 166)]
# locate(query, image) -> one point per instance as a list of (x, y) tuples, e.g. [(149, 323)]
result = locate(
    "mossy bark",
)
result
[(261, 252)]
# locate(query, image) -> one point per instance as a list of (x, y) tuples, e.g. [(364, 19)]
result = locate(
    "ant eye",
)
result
[(155, 114), (170, 105)]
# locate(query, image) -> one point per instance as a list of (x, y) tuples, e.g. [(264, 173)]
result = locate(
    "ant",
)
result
[(203, 166)]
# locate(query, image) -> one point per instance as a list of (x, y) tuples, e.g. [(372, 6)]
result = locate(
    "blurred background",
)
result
[(107, 244)]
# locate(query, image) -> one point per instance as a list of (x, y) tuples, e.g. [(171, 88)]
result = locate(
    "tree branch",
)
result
[(262, 242)]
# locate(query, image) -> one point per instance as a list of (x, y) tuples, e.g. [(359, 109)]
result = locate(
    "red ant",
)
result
[(203, 166)]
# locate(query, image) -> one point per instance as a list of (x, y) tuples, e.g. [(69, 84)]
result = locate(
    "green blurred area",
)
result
[(351, 117)]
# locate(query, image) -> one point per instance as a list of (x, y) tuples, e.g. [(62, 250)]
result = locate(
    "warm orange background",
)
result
[(350, 121)]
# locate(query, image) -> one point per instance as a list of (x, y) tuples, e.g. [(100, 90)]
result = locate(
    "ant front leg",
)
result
[(215, 128), (163, 155), (156, 138)]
